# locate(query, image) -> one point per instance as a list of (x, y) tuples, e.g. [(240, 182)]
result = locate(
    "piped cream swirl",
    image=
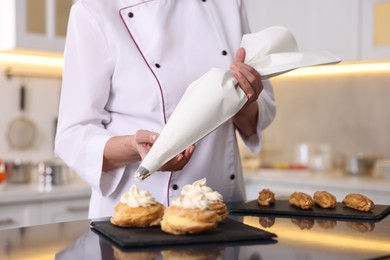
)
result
[(193, 199), (138, 198), (200, 185)]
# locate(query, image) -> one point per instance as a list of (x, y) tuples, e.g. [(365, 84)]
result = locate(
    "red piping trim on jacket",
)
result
[(147, 64), (156, 78)]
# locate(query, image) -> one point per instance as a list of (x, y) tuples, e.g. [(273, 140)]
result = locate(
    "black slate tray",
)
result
[(228, 231), (284, 208)]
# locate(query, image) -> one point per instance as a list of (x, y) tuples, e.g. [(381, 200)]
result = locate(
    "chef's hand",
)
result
[(250, 82), (144, 140), (248, 78)]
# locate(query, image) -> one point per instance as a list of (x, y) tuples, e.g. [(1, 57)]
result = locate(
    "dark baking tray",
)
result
[(284, 208), (227, 232)]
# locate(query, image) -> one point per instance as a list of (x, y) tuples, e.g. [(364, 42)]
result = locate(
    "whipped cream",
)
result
[(193, 199), (200, 185), (138, 198)]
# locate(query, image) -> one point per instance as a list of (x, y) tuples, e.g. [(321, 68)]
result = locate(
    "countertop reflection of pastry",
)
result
[(266, 197), (303, 223), (192, 254), (325, 199), (301, 200), (121, 255), (361, 226), (266, 222), (189, 214), (326, 224), (137, 208), (358, 202), (214, 198)]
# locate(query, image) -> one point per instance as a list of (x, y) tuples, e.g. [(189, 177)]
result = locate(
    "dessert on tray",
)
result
[(214, 198), (189, 214), (301, 200), (359, 202), (325, 199), (266, 198), (197, 209), (137, 208)]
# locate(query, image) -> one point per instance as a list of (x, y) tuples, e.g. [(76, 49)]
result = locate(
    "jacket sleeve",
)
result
[(265, 117), (266, 101), (81, 135)]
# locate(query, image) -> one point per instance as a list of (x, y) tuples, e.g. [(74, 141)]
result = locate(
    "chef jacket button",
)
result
[(130, 14), (203, 0), (157, 65), (232, 177), (175, 186), (224, 53)]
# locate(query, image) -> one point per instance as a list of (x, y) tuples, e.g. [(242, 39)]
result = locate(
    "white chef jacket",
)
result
[(126, 65)]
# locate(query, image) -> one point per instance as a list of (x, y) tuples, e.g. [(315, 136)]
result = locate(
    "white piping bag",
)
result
[(215, 97)]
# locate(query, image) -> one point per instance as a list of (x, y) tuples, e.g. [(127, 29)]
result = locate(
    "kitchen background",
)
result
[(41, 107), (346, 111)]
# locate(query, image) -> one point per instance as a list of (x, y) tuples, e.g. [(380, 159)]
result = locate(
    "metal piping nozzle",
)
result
[(142, 173)]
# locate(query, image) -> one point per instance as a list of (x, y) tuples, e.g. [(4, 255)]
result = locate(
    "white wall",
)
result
[(349, 112), (42, 98)]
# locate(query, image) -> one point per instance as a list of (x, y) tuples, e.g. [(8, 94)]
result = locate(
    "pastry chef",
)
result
[(126, 65)]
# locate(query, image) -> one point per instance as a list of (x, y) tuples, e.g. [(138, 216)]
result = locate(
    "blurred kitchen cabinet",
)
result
[(26, 204), (38, 25), (330, 25), (67, 210), (375, 35), (18, 215)]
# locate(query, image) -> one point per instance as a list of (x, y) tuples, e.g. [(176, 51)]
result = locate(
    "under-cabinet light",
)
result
[(33, 60), (30, 65), (13, 60), (342, 68)]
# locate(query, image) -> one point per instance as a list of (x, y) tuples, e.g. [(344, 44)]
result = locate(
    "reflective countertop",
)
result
[(298, 238)]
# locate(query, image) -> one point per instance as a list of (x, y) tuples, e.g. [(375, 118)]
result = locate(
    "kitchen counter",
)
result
[(12, 194), (24, 205), (297, 239), (284, 182)]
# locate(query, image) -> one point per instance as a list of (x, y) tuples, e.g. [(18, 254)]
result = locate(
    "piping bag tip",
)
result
[(141, 174)]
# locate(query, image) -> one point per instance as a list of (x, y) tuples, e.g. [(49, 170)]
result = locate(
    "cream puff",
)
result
[(359, 202), (189, 214), (266, 198), (137, 208), (301, 200), (325, 199), (214, 198)]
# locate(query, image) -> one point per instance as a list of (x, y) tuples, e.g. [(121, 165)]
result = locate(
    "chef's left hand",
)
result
[(248, 78)]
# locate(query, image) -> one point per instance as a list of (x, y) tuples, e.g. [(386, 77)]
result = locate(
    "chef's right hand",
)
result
[(145, 139)]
